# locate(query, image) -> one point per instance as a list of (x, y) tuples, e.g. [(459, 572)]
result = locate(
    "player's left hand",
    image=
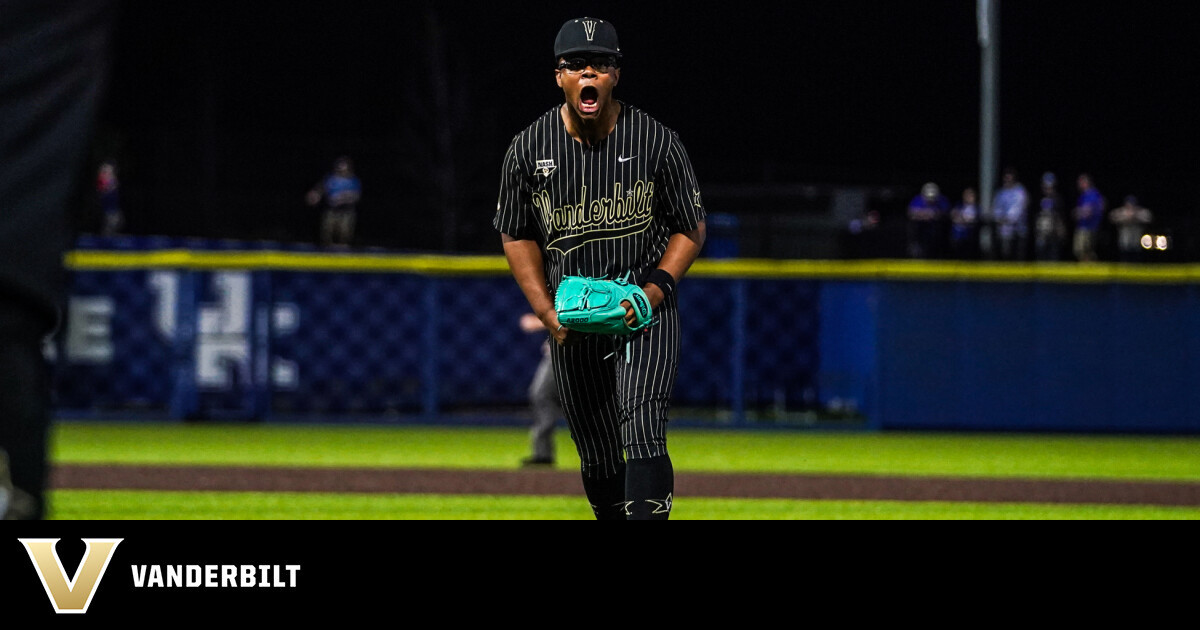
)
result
[(562, 335), (656, 297)]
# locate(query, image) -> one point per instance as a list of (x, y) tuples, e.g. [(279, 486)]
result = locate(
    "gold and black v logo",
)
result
[(75, 595)]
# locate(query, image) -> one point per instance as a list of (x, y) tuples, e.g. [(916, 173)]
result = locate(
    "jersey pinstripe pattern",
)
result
[(603, 211), (600, 210)]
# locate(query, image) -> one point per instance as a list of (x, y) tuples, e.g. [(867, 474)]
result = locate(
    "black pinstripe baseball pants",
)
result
[(616, 391)]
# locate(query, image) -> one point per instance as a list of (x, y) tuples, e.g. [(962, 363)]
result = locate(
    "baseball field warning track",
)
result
[(557, 482)]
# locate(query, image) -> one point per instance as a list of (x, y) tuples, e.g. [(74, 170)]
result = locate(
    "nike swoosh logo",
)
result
[(623, 160)]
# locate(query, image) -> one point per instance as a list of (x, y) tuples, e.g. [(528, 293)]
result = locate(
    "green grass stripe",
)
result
[(938, 454), (146, 505), (1162, 458)]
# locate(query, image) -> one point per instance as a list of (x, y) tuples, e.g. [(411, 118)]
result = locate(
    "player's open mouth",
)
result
[(589, 100)]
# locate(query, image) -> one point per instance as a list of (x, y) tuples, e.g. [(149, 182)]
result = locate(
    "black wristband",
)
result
[(663, 280)]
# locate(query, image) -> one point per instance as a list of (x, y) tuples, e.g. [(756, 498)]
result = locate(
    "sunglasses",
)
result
[(602, 64)]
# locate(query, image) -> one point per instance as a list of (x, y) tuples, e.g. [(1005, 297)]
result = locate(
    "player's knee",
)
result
[(651, 407)]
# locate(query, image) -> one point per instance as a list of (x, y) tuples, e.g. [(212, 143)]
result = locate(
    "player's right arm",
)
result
[(516, 221), (525, 261)]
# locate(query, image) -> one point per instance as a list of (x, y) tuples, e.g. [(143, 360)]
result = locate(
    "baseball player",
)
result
[(597, 188), (543, 399)]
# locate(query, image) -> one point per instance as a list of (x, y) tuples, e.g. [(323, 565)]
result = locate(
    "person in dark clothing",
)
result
[(53, 57)]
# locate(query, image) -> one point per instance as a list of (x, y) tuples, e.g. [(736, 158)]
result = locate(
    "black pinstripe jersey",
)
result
[(603, 210)]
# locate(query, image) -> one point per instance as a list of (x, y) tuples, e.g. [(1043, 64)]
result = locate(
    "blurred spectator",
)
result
[(1009, 213), (861, 236), (867, 222), (341, 191), (1049, 229), (1131, 220), (964, 227), (107, 189), (926, 215), (1089, 211), (543, 399)]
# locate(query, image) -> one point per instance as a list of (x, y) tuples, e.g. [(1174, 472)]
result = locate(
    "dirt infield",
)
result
[(533, 482)]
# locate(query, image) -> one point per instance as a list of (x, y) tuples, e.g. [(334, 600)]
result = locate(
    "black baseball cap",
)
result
[(586, 34)]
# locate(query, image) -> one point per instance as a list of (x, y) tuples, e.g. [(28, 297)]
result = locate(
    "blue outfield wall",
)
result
[(1032, 356), (1038, 356), (184, 329)]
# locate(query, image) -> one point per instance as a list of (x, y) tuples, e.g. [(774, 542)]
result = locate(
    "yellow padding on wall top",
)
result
[(899, 270), (91, 260)]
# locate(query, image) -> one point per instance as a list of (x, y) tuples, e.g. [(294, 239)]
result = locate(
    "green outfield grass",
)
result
[(144, 505), (907, 454), (692, 450)]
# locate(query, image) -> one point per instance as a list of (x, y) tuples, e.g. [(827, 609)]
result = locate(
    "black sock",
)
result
[(607, 495), (649, 488)]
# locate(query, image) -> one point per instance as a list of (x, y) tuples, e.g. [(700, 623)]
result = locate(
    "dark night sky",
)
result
[(223, 114)]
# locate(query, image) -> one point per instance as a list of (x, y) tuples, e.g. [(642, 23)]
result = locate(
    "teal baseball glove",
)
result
[(593, 305)]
